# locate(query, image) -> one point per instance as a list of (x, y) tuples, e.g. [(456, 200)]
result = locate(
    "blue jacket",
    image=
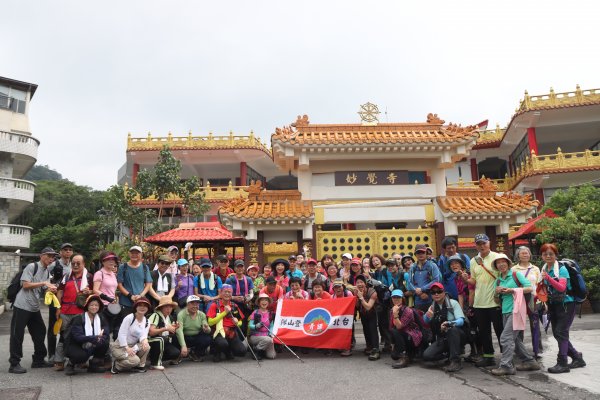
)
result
[(449, 277), (423, 278)]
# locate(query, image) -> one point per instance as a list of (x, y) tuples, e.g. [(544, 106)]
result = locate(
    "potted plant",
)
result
[(592, 282)]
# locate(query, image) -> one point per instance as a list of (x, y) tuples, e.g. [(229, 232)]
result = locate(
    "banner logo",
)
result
[(316, 321)]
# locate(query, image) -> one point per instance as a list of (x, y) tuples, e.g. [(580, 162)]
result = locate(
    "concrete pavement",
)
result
[(320, 376)]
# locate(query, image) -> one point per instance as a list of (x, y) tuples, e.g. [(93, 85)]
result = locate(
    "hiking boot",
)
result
[(375, 355), (70, 369), (387, 348), (192, 356), (368, 350), (59, 366), (577, 362), (346, 353), (502, 371), (114, 370), (454, 366), (176, 361), (561, 366), (528, 366), (41, 364), (16, 369), (486, 362), (139, 369), (403, 362)]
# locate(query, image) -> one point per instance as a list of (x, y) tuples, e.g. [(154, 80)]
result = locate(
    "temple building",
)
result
[(373, 187)]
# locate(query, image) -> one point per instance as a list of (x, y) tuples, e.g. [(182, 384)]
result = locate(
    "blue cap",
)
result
[(204, 262), (182, 261), (481, 237), (397, 293)]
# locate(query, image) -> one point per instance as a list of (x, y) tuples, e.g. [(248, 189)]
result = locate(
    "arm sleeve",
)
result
[(459, 316), (27, 273), (524, 281), (179, 331), (213, 317), (251, 324), (561, 284), (409, 284)]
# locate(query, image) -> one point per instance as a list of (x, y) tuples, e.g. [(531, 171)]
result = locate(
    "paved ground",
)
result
[(330, 377)]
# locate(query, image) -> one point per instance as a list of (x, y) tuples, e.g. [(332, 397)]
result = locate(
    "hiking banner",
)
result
[(325, 324)]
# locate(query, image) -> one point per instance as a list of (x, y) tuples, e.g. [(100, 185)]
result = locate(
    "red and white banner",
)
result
[(325, 324)]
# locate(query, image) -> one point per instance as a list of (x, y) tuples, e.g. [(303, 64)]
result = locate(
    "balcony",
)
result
[(24, 148), (197, 142), (216, 193), (558, 100), (534, 165), (15, 236), (17, 189), (490, 137)]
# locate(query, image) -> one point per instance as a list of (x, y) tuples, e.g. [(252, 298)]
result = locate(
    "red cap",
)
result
[(436, 285), (312, 261), (356, 260)]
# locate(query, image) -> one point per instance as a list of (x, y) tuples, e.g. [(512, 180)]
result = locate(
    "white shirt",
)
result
[(132, 332)]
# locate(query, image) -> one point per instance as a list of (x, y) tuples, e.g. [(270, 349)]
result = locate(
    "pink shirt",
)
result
[(108, 283), (290, 295)]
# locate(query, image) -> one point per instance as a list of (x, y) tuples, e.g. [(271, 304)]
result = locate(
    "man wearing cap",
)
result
[(293, 270), (207, 285), (450, 247), (487, 312), (422, 275), (242, 290), (134, 281), (446, 318), (312, 274), (162, 281), (173, 256), (26, 313), (193, 333), (59, 268), (222, 269)]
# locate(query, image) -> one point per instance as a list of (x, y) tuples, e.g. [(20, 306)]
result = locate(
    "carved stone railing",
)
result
[(553, 99)]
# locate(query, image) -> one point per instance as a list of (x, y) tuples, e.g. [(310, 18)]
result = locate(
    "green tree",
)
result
[(42, 173), (192, 198), (576, 231)]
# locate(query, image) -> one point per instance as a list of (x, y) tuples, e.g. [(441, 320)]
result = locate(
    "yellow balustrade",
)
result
[(553, 99), (491, 135), (211, 193), (535, 165), (196, 142)]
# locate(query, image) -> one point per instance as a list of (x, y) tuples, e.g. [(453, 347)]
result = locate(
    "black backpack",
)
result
[(15, 284)]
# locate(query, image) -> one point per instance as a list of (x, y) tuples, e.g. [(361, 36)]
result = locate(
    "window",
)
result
[(521, 152), (13, 99)]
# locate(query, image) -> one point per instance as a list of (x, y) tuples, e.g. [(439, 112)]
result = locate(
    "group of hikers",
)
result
[(410, 306)]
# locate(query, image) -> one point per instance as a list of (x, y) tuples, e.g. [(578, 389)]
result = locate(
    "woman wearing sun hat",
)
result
[(131, 348), (88, 337), (260, 324), (162, 334), (184, 283), (105, 286)]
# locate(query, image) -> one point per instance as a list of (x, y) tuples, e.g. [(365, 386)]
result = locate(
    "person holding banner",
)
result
[(274, 291), (296, 292), (366, 305), (260, 324), (280, 267), (404, 331), (318, 292), (226, 319)]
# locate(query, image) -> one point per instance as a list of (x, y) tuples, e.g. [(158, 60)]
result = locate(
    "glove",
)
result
[(257, 317), (259, 325)]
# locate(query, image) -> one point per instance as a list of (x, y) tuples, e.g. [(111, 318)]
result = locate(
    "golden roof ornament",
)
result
[(368, 114)]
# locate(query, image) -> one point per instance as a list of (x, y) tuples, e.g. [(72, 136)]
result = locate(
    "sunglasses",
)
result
[(437, 291)]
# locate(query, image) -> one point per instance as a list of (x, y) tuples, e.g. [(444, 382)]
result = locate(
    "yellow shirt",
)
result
[(485, 284)]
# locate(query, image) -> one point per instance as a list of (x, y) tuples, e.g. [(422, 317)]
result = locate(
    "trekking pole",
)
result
[(245, 340), (285, 345)]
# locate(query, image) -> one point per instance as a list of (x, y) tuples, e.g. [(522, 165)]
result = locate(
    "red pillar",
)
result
[(474, 171), (532, 139), (539, 196), (243, 173), (136, 169)]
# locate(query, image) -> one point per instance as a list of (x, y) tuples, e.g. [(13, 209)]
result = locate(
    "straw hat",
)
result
[(165, 301)]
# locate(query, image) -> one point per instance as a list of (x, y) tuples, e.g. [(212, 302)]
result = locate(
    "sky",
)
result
[(106, 68)]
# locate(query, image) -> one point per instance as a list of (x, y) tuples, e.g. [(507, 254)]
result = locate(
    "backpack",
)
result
[(578, 287), (15, 285), (423, 326), (526, 295)]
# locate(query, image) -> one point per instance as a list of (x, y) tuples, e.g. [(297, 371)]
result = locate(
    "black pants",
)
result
[(485, 318), (162, 350), (78, 355), (383, 322), (402, 343), (451, 343), (196, 343), (51, 337), (369, 323), (228, 347), (561, 318), (37, 329), (118, 319)]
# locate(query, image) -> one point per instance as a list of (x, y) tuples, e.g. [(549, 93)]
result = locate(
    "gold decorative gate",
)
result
[(363, 243)]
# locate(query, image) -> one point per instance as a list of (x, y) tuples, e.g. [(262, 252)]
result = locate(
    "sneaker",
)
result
[(192, 356), (176, 361), (17, 369), (70, 369), (528, 366), (502, 371), (59, 366), (375, 355), (41, 364), (139, 369), (346, 353), (454, 366), (486, 362), (114, 370), (157, 367)]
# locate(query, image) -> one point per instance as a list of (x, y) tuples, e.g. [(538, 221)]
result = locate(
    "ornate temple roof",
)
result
[(484, 200), (195, 232), (433, 131)]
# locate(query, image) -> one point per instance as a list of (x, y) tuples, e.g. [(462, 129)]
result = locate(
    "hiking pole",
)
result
[(245, 340), (285, 345)]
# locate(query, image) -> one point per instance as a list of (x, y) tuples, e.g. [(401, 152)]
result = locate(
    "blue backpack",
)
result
[(578, 288)]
